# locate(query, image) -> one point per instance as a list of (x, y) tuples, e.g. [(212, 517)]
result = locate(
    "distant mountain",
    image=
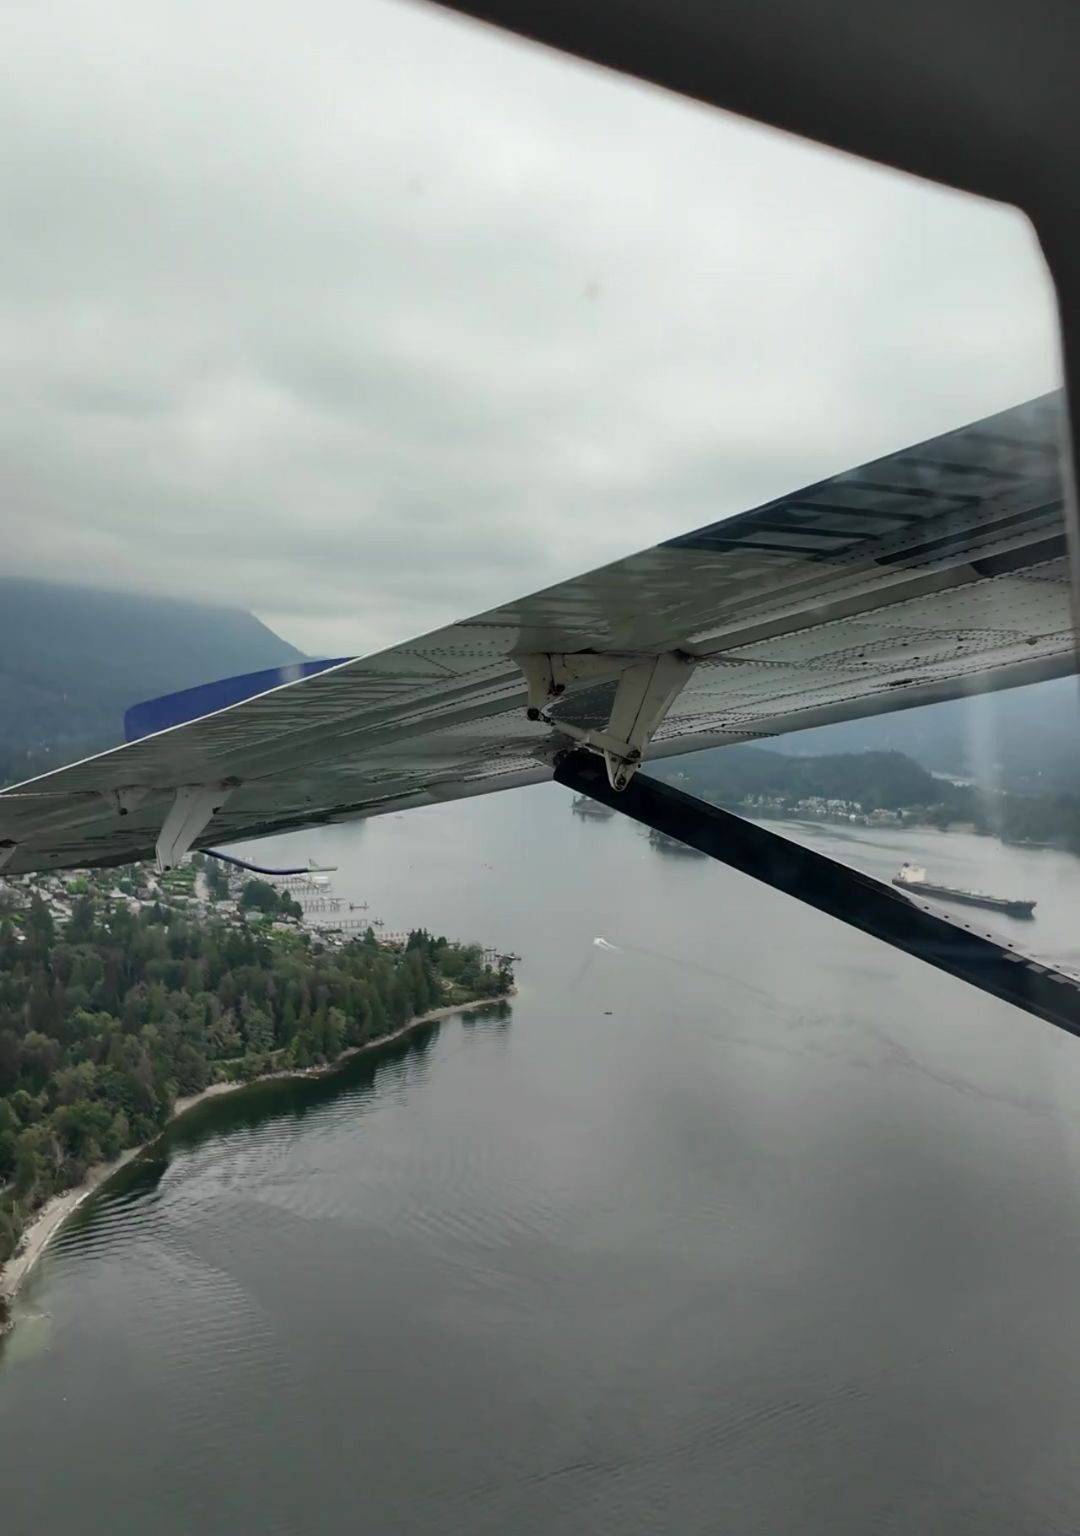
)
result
[(1023, 739), (72, 659)]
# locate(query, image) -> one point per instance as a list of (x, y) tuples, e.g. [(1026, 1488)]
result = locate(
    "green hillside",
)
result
[(875, 780), (751, 779), (1022, 739)]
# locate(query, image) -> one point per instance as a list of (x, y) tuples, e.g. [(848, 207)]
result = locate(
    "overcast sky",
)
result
[(367, 318)]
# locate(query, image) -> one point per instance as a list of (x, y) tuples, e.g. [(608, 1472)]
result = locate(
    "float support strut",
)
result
[(194, 807)]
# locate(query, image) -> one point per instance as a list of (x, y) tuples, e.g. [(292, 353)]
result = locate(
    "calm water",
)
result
[(736, 1223)]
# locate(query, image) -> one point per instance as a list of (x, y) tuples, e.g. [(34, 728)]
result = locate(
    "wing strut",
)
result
[(832, 887)]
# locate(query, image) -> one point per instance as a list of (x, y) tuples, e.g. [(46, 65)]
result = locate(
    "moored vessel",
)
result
[(666, 844), (585, 805)]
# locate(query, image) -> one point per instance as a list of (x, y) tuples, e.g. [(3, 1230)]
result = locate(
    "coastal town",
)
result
[(823, 808), (293, 905), (284, 905)]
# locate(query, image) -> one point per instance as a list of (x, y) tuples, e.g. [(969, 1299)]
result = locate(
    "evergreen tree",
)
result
[(40, 929)]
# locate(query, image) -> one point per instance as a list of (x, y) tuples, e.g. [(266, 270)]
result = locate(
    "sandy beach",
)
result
[(52, 1215)]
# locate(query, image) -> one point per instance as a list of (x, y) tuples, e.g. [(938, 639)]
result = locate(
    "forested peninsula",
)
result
[(121, 993)]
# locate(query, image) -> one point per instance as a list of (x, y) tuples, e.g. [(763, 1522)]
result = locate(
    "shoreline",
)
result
[(56, 1210)]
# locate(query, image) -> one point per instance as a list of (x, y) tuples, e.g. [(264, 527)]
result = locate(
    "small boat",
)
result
[(912, 877)]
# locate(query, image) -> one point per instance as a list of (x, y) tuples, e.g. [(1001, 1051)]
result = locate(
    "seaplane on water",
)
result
[(934, 572)]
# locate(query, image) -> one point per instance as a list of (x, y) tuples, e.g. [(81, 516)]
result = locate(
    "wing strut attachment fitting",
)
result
[(647, 688), (194, 807)]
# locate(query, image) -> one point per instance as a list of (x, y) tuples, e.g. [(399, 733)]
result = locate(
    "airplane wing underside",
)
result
[(937, 571)]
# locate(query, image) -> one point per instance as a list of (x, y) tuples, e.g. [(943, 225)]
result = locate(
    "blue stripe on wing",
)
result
[(192, 703)]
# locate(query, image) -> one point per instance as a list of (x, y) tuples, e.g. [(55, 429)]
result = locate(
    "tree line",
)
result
[(107, 1021)]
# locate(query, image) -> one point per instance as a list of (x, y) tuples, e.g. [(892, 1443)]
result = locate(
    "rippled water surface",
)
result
[(736, 1222)]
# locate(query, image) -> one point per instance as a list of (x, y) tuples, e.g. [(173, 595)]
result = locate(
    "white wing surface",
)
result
[(934, 572)]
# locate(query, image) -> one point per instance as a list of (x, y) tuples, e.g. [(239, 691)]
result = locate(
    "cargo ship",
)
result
[(912, 877)]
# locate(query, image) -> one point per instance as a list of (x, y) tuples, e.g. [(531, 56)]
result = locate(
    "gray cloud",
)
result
[(368, 318)]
